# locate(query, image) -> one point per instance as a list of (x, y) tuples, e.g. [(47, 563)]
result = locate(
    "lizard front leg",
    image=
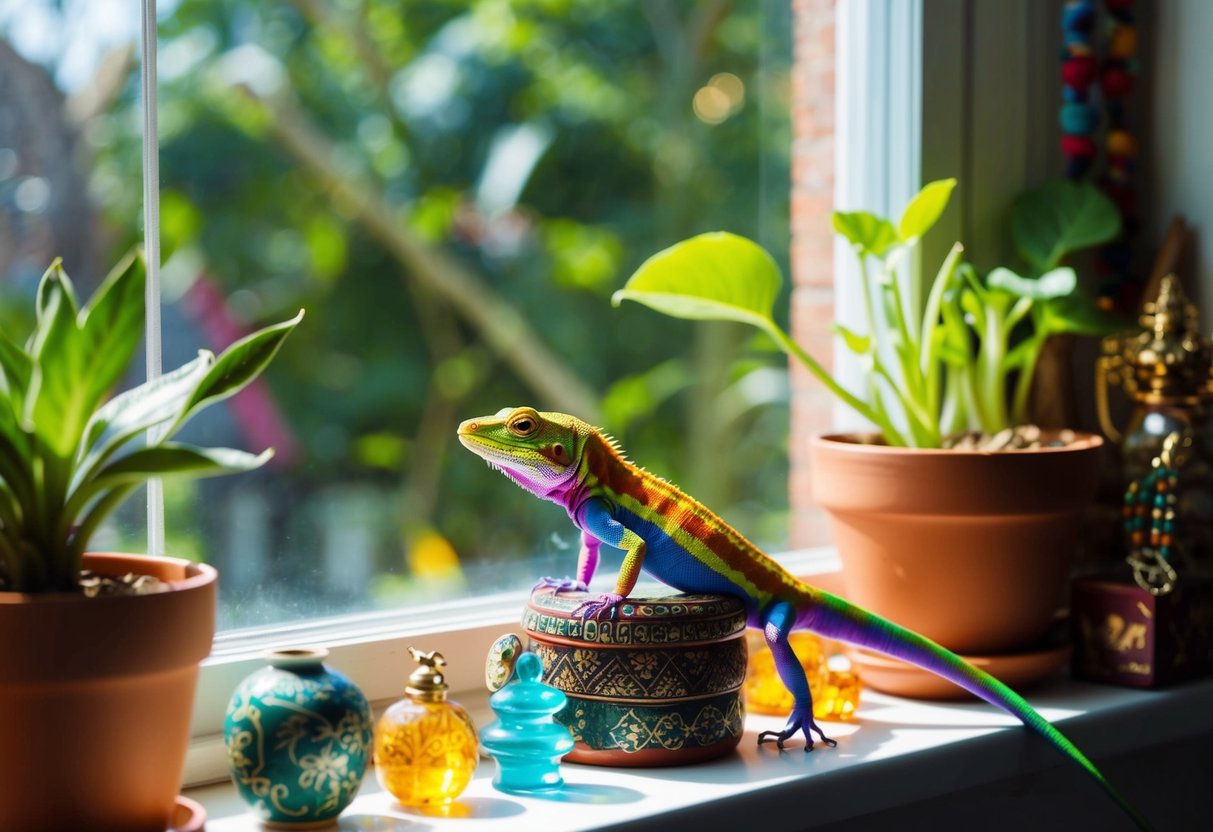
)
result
[(778, 624), (596, 521), (587, 564)]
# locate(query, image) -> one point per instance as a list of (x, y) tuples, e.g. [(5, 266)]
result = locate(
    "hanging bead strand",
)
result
[(1117, 74), (1078, 117)]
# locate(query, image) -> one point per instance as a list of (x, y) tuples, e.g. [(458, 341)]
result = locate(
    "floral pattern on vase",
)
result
[(299, 738)]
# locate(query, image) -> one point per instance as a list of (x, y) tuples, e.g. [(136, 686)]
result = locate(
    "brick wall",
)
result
[(812, 258)]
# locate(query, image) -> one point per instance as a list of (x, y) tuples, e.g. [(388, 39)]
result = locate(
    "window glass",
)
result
[(452, 189)]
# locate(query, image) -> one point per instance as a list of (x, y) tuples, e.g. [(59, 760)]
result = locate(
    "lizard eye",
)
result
[(523, 426)]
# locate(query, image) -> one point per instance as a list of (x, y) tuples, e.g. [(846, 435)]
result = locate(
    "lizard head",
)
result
[(539, 451)]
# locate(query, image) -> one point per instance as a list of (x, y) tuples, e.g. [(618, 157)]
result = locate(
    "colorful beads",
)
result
[(1091, 75), (1078, 118), (1150, 509)]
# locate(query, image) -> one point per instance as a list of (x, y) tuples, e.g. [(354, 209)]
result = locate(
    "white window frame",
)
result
[(989, 121), (889, 139)]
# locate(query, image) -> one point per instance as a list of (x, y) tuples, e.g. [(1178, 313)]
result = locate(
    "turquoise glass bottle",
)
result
[(298, 739), (526, 741)]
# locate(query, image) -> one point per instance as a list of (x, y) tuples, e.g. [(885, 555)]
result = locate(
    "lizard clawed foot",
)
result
[(800, 720), (561, 585), (595, 607)]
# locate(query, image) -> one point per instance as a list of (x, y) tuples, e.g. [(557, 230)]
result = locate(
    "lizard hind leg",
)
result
[(778, 625)]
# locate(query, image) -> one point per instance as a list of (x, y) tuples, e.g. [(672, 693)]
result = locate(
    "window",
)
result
[(452, 190)]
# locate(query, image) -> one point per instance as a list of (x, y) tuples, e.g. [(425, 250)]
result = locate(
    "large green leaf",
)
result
[(925, 209), (714, 276), (867, 233), (1080, 315), (1057, 283), (1061, 217), (239, 364)]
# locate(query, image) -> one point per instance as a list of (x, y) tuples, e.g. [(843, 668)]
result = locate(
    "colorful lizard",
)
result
[(681, 543)]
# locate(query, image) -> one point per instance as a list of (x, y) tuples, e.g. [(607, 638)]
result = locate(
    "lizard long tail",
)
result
[(835, 618)]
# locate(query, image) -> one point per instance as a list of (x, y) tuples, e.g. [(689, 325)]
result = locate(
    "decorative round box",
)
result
[(298, 739), (657, 685)]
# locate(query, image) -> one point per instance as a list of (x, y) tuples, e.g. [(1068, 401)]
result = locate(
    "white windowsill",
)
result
[(944, 757)]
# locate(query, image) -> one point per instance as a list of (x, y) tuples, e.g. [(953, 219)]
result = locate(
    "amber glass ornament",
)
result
[(834, 685), (425, 744)]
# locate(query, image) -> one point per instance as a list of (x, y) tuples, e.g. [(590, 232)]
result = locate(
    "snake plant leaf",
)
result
[(1056, 283), (110, 327), (925, 209), (714, 276), (166, 461), (1061, 217), (16, 368), (55, 281), (54, 403), (238, 365), (171, 458), (867, 233), (856, 343), (130, 413), (82, 354)]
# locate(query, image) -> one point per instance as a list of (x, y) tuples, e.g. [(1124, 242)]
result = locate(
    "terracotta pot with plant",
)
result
[(954, 518), (100, 652)]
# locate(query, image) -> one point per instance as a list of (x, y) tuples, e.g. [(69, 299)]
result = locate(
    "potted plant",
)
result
[(967, 546), (96, 692)]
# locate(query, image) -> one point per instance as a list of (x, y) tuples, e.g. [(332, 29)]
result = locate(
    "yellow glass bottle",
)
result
[(425, 744)]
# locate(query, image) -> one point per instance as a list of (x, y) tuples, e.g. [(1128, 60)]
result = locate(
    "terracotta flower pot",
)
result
[(971, 549), (96, 696)]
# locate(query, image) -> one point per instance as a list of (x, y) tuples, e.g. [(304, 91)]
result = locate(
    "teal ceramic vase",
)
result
[(298, 739)]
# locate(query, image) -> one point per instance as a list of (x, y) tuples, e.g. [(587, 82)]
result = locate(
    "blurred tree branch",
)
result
[(502, 326)]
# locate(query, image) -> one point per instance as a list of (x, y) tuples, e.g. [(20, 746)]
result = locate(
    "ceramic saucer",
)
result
[(1018, 670), (188, 816)]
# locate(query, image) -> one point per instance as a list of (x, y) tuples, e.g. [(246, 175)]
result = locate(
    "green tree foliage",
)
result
[(453, 189)]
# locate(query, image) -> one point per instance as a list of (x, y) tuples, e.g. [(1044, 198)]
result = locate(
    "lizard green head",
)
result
[(539, 451)]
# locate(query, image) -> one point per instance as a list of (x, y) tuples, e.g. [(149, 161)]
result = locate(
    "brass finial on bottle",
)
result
[(1166, 363), (427, 683)]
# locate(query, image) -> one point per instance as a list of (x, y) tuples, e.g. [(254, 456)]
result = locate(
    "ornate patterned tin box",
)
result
[(658, 685)]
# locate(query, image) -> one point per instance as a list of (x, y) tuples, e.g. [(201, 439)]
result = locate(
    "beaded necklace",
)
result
[(1149, 518), (1079, 120)]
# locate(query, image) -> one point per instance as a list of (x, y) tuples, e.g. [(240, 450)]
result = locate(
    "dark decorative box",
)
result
[(1126, 636), (658, 685)]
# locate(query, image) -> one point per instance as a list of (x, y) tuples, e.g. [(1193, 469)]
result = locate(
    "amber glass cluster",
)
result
[(835, 690)]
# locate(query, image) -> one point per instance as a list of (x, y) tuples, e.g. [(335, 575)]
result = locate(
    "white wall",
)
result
[(1179, 152)]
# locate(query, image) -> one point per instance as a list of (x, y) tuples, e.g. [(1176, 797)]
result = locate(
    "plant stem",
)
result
[(792, 348), (993, 379), (1023, 384)]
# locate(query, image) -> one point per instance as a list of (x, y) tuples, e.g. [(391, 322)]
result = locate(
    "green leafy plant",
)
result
[(966, 360), (68, 456)]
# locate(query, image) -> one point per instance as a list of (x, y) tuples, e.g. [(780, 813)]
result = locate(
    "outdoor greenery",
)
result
[(69, 457), (453, 190), (967, 362)]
